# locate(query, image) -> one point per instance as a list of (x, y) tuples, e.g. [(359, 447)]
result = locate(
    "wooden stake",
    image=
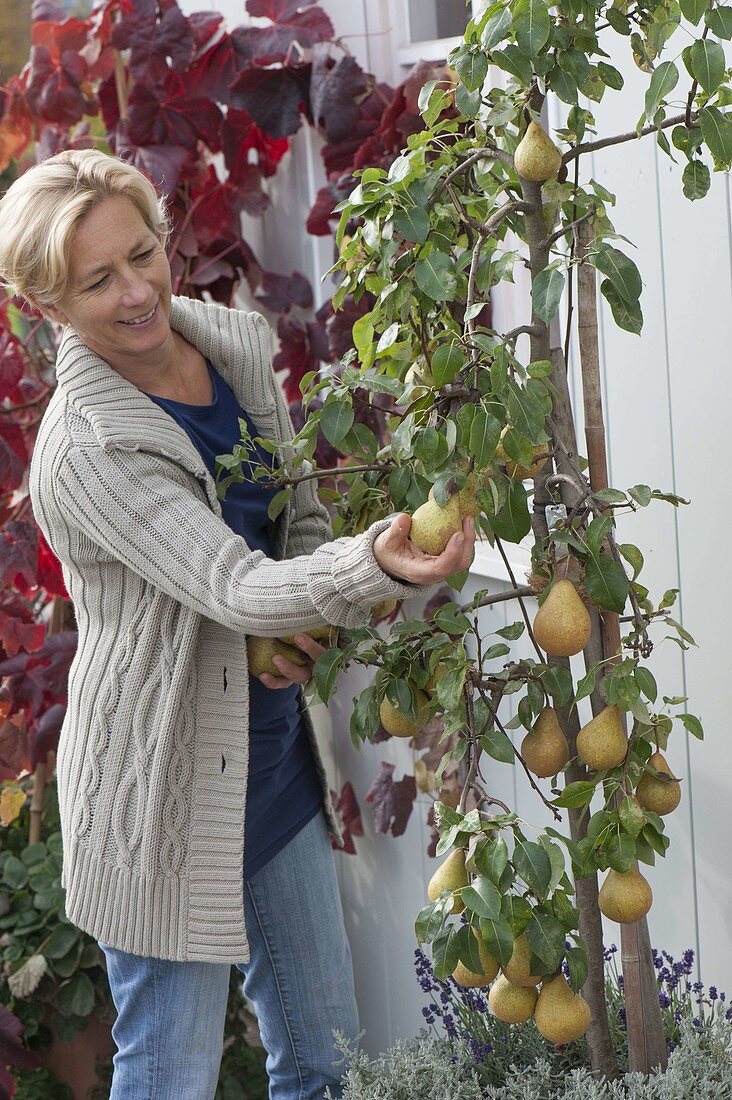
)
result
[(646, 1040)]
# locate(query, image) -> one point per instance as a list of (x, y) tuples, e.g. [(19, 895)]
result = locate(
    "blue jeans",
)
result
[(170, 1015)]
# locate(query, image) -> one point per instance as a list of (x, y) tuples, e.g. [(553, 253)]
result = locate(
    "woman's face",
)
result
[(118, 296)]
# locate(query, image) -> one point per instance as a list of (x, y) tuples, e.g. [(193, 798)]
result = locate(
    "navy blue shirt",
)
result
[(283, 791)]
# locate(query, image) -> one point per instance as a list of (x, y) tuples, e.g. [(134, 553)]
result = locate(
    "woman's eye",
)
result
[(145, 255), (99, 283)]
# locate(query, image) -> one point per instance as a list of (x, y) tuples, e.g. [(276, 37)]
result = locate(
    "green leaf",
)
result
[(607, 583), (445, 952), (468, 104), (632, 555), (533, 865), (498, 938), (641, 494), (696, 180), (325, 672), (646, 681), (558, 682), (497, 745), (631, 816), (493, 859), (577, 964), (664, 80), (60, 942), (435, 276), (76, 996), (336, 419), (610, 76), (586, 685), (15, 873), (556, 858), (719, 21), (628, 317), (513, 522), (511, 632), (706, 61), (531, 25), (717, 131), (545, 936), (576, 794), (496, 29), (564, 86), (693, 9), (446, 362), (482, 897), (517, 911), (621, 271), (618, 20), (485, 432), (693, 725), (546, 292), (512, 60), (413, 223), (471, 65)]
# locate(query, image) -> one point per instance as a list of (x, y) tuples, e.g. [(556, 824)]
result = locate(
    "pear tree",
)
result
[(475, 428)]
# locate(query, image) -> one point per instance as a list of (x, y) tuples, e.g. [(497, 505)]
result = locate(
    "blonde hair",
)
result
[(42, 208)]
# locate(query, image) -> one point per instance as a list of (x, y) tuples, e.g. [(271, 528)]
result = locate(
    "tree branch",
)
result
[(603, 143)]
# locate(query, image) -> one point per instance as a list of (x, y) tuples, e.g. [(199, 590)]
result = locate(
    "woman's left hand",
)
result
[(294, 674)]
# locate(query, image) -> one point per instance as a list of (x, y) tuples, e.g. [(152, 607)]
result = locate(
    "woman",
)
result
[(195, 812)]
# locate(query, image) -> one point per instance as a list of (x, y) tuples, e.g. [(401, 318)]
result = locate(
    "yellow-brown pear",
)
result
[(537, 157), (382, 609), (433, 526), (398, 723), (561, 1015), (518, 969), (325, 633), (450, 875), (659, 793), (625, 897), (511, 1003), (260, 652), (544, 748), (489, 968), (562, 625), (602, 742)]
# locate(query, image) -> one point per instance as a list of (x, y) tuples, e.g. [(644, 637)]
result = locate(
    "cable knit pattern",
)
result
[(153, 753)]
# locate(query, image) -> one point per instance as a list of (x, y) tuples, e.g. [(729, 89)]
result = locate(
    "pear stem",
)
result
[(522, 605)]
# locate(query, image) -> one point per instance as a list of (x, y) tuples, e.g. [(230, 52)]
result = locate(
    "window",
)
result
[(430, 19)]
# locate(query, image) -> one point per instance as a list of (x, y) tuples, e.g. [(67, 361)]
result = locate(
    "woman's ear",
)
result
[(51, 313)]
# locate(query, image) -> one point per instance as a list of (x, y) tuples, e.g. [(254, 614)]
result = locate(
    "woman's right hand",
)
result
[(403, 561)]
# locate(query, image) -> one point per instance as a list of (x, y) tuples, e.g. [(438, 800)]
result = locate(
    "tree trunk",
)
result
[(646, 1040)]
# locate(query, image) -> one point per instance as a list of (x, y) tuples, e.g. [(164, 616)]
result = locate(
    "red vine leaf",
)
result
[(392, 802), (54, 91), (164, 114), (213, 73), (334, 89), (203, 26), (153, 33), (346, 809), (12, 1051), (244, 144), (280, 292), (294, 23), (273, 98)]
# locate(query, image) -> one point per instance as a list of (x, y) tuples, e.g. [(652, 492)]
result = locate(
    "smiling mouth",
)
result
[(141, 320)]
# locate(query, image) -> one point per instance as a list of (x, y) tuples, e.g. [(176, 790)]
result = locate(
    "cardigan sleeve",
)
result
[(140, 509)]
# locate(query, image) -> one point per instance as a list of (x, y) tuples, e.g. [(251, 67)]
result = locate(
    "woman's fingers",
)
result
[(291, 674), (309, 645)]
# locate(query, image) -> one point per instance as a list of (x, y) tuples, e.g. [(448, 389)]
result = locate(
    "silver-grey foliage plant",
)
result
[(432, 1069)]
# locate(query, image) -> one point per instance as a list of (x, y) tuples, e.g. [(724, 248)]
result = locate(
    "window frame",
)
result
[(437, 49)]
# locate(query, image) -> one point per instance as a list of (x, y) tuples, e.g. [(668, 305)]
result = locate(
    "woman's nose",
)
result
[(136, 290)]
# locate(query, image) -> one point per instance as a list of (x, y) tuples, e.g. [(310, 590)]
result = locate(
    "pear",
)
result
[(561, 1015), (511, 1003), (324, 632), (537, 157), (260, 652), (489, 968), (513, 469), (450, 875), (467, 497), (602, 742), (625, 897), (399, 724), (562, 625), (544, 748), (433, 526), (382, 609), (517, 970), (657, 793)]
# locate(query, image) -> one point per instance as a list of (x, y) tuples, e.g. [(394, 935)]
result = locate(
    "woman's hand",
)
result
[(294, 674), (402, 560)]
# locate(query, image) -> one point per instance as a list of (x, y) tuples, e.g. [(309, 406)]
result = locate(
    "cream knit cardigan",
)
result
[(153, 752)]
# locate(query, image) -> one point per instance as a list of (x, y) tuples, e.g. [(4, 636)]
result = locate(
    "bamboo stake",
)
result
[(646, 1040)]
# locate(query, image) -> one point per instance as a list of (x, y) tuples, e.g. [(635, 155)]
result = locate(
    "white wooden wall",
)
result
[(666, 400)]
